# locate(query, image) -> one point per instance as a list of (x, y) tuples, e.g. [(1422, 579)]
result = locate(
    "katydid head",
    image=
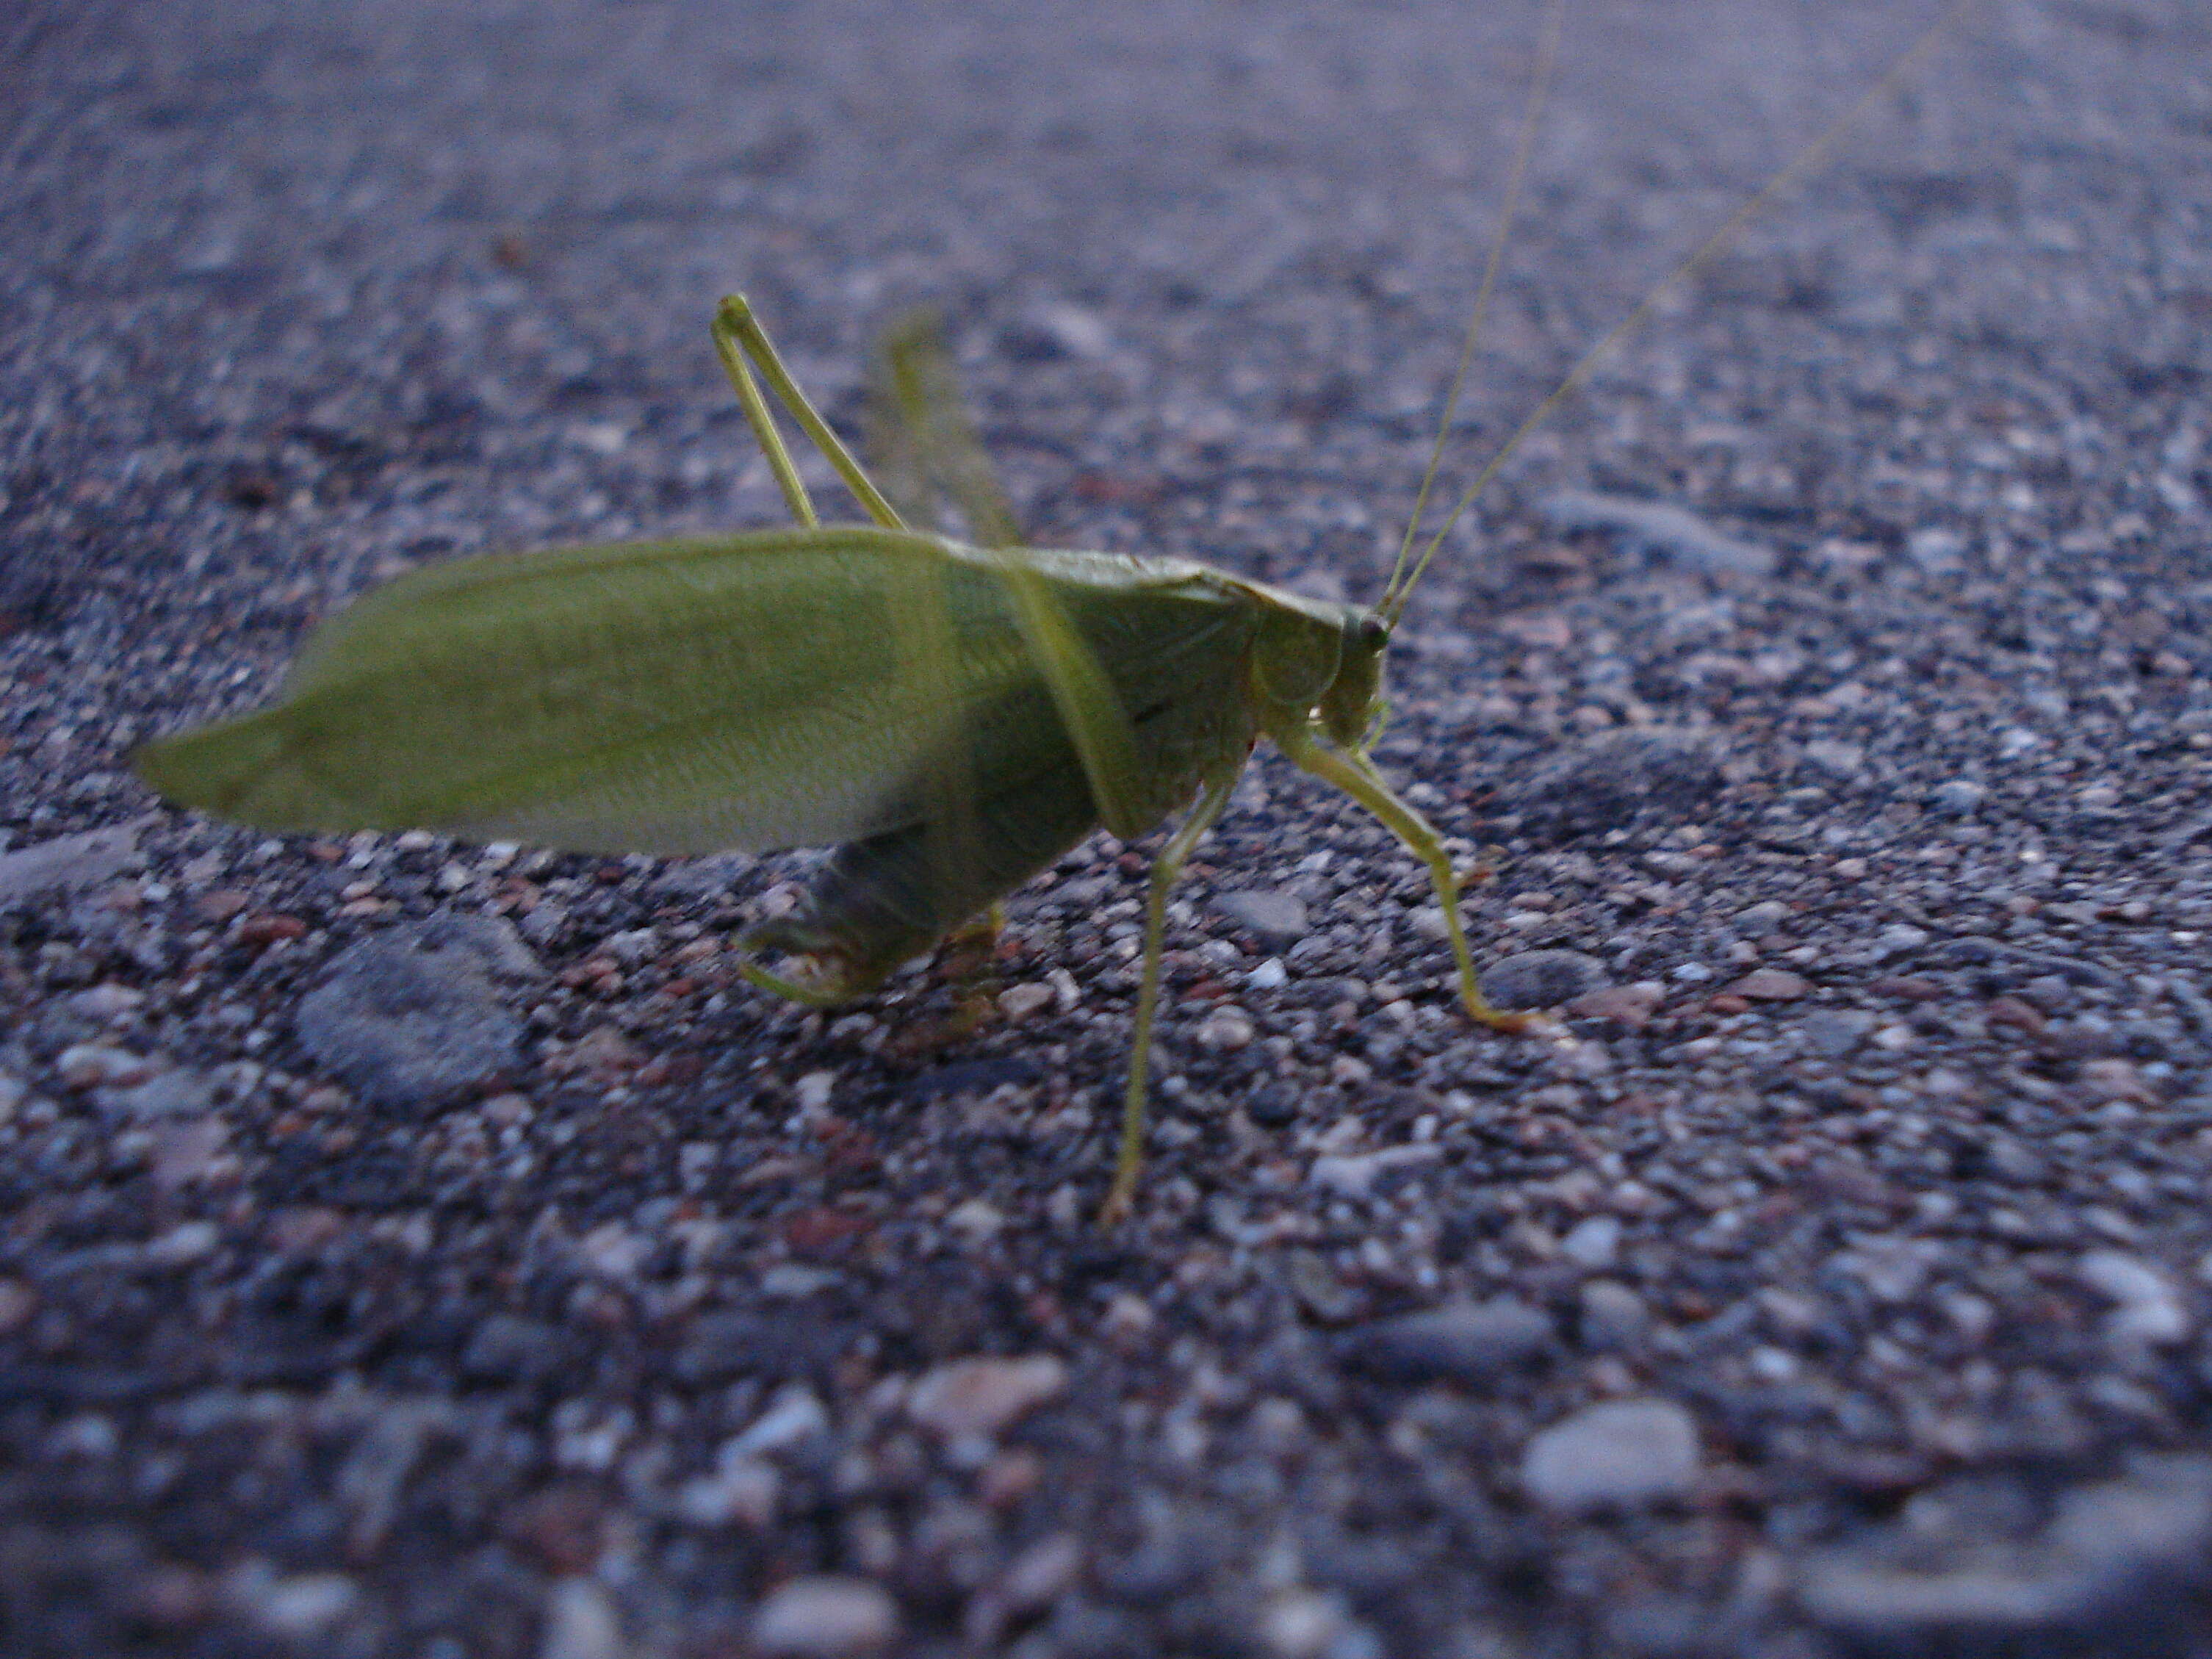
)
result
[(1352, 709), (1317, 660)]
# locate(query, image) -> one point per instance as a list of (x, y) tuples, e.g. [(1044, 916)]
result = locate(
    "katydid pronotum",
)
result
[(953, 716)]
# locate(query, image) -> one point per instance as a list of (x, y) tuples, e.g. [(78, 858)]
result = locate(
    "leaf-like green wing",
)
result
[(742, 691)]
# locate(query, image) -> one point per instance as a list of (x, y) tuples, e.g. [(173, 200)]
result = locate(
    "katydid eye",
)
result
[(1374, 633)]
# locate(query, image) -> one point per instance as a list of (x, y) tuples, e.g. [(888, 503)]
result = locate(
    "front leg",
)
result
[(1356, 775)]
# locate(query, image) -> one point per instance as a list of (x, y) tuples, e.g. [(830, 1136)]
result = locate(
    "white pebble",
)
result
[(826, 1617), (2149, 1309), (1616, 1456), (984, 1395), (580, 1623), (1018, 1002), (792, 1416), (1226, 1029), (1593, 1243)]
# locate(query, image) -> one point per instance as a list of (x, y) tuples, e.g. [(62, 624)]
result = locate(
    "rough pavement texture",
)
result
[(707, 1326)]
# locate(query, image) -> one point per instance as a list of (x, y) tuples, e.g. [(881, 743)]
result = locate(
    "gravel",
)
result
[(364, 1290), (2113, 1564)]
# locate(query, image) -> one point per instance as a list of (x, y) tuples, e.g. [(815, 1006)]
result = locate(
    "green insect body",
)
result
[(950, 718)]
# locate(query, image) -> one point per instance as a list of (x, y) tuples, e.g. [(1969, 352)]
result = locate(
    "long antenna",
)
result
[(1547, 57), (1805, 160)]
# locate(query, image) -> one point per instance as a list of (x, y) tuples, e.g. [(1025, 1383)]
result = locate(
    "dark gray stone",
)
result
[(1611, 781), (416, 1017), (1459, 1342), (706, 878), (1834, 1032), (1542, 979), (1612, 1315), (508, 1348), (1273, 1105), (777, 1344)]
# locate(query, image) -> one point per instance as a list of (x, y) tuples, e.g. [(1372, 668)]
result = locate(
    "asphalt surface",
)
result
[(412, 1248)]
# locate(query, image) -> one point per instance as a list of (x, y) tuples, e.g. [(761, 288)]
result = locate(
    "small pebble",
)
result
[(1276, 919), (1226, 1029), (1612, 1315), (1770, 985), (1837, 758), (2150, 1309), (1018, 1002), (977, 1220), (1592, 1242), (1632, 1006), (179, 1093), (2112, 1557), (89, 1065), (1898, 939), (793, 1417), (1937, 552), (183, 1244), (1041, 1574), (1757, 921), (18, 1302), (66, 864), (1958, 796), (580, 1623), (1612, 780), (296, 1608), (1618, 1455), (739, 1489), (614, 1251), (1304, 1623), (1658, 527), (1353, 1175), (1835, 1032), (826, 1617), (2114, 1078), (985, 1396)]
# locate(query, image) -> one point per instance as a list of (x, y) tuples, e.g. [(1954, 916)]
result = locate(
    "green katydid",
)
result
[(952, 716)]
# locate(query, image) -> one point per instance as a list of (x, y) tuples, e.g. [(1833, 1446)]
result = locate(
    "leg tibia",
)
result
[(1165, 868), (1357, 778)]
